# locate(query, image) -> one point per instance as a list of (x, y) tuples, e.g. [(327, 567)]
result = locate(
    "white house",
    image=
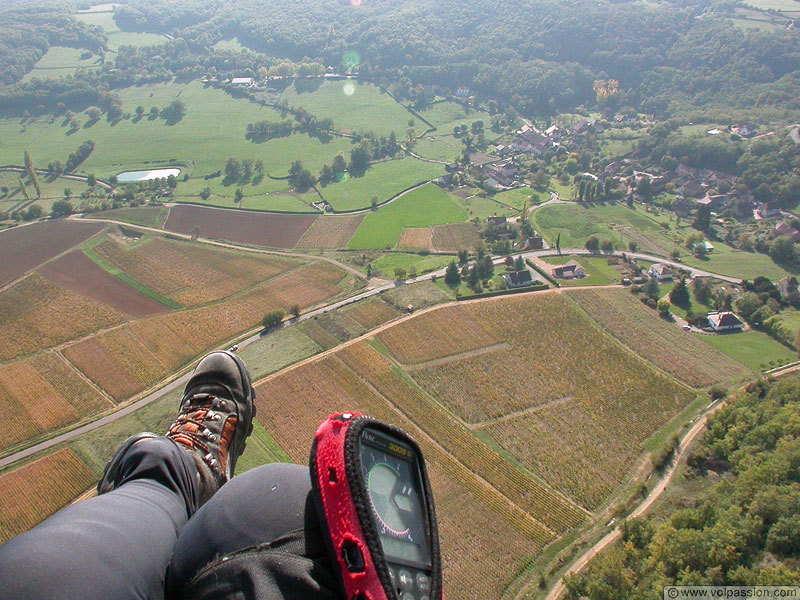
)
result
[(660, 272), (724, 321), (518, 279)]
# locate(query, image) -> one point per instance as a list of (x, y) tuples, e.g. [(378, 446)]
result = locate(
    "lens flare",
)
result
[(349, 89), (351, 59)]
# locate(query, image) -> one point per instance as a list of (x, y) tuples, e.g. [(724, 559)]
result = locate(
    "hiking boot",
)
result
[(215, 418), (213, 422)]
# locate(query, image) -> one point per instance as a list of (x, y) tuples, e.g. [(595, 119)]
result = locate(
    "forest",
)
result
[(672, 58)]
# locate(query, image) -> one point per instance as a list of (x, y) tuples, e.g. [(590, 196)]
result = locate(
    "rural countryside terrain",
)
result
[(557, 243)]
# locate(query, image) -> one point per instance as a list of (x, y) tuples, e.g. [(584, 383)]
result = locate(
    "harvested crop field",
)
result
[(44, 393), (516, 369), (416, 237), (258, 229), (24, 248), (77, 272), (127, 360), (481, 554), (454, 237), (436, 334), (330, 232), (189, 273), (38, 314), (668, 347), (34, 491), (371, 313)]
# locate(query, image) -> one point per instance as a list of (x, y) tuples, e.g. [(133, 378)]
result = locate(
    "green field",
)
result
[(384, 179), (147, 216), (426, 206), (615, 222), (116, 37), (446, 115), (597, 270), (277, 350), (729, 261), (521, 196), (386, 264), (480, 207), (59, 61), (753, 349), (438, 147), (353, 106)]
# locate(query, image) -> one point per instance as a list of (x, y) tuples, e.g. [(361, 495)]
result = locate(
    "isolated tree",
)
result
[(139, 111), (61, 208), (326, 174), (195, 232), (93, 113), (651, 288), (359, 160), (509, 262), (633, 246), (272, 318), (663, 307), (172, 182), (206, 193), (607, 246), (339, 164), (399, 273), (374, 201), (519, 263), (34, 211), (463, 257), (680, 293), (592, 244), (295, 310), (581, 189), (91, 180), (783, 250), (154, 112), (238, 195), (233, 169), (258, 167), (451, 275)]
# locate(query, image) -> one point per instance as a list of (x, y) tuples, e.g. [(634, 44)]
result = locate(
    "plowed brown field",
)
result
[(78, 273), (24, 248), (259, 229)]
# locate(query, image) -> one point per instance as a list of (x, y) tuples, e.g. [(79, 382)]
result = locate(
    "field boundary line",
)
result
[(28, 273), (452, 357), (629, 350), (230, 244), (91, 383), (521, 413), (445, 451)]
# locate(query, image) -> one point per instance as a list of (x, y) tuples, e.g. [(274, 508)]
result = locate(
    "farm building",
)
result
[(518, 279), (724, 321), (245, 81), (660, 272), (571, 270)]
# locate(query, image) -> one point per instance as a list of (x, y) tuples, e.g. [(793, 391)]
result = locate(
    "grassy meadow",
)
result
[(423, 207)]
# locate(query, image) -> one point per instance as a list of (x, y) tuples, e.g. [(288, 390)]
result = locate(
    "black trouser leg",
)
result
[(270, 505), (112, 547)]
